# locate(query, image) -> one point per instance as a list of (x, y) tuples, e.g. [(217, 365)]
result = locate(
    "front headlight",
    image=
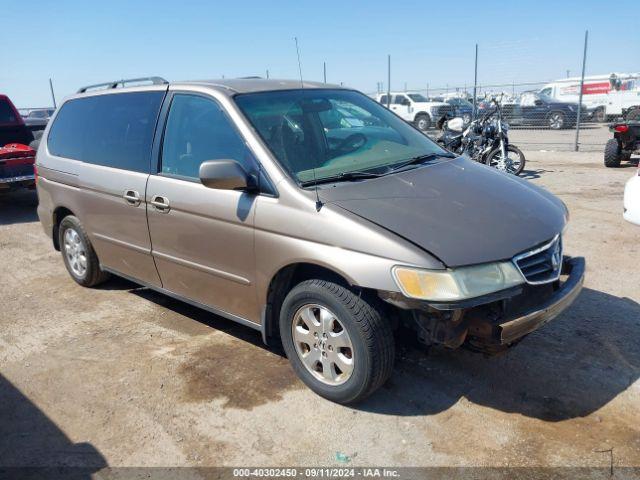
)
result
[(458, 283)]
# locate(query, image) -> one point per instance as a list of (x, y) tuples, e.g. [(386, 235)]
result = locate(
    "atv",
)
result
[(625, 142)]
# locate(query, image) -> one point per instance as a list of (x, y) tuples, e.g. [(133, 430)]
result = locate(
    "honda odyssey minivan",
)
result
[(306, 211)]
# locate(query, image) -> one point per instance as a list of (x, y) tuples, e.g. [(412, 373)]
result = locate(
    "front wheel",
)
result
[(338, 342), (513, 164)]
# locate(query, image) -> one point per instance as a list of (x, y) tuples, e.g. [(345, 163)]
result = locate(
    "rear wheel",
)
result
[(600, 115), (423, 122), (556, 120), (338, 343), (513, 164), (78, 254), (612, 153)]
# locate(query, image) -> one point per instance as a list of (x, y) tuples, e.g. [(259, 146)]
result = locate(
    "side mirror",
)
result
[(226, 175)]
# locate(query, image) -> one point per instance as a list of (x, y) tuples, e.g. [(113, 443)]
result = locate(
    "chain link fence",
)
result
[(563, 114)]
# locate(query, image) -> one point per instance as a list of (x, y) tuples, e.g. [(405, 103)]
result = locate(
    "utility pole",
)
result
[(388, 81), (267, 74), (324, 67), (584, 63), (475, 85), (53, 95)]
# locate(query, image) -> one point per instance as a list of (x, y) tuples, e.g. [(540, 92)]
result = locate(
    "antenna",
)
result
[(299, 64)]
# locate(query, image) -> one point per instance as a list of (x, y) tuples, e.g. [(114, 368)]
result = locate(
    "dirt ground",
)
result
[(122, 376)]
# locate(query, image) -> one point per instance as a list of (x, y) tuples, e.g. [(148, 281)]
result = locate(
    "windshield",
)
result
[(416, 97), (332, 131)]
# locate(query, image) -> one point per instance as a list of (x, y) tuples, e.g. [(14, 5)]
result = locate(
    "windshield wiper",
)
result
[(420, 159), (341, 177)]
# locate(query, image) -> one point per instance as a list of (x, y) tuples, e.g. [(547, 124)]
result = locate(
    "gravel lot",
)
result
[(122, 376)]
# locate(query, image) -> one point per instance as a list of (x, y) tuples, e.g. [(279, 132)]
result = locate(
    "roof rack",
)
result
[(124, 82)]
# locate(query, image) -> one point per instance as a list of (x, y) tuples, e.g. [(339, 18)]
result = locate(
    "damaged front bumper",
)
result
[(494, 322), (516, 328)]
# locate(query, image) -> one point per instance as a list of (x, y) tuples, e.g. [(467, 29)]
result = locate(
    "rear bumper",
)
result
[(512, 330)]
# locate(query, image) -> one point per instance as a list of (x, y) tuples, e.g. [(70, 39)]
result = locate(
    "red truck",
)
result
[(17, 149)]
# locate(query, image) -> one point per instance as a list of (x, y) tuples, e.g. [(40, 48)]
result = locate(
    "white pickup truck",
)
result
[(415, 108)]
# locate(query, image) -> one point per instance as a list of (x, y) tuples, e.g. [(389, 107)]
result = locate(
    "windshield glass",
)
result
[(416, 97), (332, 131)]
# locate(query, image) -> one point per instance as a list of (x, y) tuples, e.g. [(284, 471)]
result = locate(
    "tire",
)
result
[(78, 254), (371, 348), (423, 122), (632, 114), (612, 153), (557, 121), (491, 161)]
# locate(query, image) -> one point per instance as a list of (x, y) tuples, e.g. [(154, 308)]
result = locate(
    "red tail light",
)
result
[(621, 128)]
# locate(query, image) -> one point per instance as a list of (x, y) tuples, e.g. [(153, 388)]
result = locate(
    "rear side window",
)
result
[(111, 130)]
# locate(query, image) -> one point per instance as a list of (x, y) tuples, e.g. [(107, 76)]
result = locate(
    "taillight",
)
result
[(621, 128)]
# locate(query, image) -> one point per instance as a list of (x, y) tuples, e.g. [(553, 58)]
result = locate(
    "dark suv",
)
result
[(537, 109)]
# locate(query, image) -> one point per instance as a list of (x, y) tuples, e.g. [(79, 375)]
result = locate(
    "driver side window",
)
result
[(198, 130)]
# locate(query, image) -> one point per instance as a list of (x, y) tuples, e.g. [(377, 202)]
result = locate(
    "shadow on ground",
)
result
[(18, 207), (33, 446), (570, 368)]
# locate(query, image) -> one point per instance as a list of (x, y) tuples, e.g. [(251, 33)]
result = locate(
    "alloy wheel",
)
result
[(322, 344), (556, 121), (76, 252)]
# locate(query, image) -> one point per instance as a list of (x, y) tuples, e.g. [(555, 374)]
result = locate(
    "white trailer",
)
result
[(606, 96)]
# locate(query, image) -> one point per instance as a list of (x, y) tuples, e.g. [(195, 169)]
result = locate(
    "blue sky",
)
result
[(83, 42)]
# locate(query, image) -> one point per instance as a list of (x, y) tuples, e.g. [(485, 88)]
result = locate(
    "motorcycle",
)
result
[(484, 140)]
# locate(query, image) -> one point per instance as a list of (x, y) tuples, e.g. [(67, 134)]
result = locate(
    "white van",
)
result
[(606, 96)]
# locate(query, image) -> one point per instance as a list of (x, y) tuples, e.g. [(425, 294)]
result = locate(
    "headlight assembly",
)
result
[(458, 283)]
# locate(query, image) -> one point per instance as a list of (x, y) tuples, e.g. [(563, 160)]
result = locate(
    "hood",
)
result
[(432, 104), (460, 211)]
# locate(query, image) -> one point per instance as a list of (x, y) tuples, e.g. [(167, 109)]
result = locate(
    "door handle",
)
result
[(131, 197), (160, 203)]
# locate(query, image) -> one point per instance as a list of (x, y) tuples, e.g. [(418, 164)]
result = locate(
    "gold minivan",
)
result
[(306, 211)]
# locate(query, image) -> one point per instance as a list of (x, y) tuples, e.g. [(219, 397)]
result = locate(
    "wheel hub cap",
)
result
[(322, 344)]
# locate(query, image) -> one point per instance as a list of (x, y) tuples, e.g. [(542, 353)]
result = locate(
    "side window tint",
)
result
[(198, 130), (112, 130)]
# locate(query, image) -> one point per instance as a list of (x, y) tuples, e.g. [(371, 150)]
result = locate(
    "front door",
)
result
[(401, 106), (203, 238)]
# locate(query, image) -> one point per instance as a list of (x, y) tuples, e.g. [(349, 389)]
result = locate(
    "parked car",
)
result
[(17, 155), (537, 109), (314, 215), (416, 108), (460, 108), (625, 141), (632, 199), (37, 118), (605, 96)]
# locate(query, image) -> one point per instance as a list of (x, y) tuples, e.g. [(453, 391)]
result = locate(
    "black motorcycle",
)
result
[(484, 140)]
